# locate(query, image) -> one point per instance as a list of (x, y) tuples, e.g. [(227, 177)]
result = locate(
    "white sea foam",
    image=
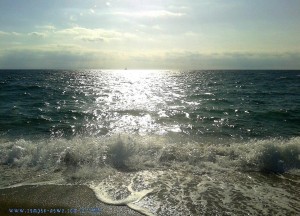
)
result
[(135, 153), (163, 175)]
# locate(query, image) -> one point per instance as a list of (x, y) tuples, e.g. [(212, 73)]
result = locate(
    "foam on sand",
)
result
[(159, 175)]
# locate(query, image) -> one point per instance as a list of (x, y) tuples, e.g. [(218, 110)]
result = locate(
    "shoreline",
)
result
[(57, 200)]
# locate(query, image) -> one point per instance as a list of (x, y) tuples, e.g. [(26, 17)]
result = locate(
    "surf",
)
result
[(169, 173)]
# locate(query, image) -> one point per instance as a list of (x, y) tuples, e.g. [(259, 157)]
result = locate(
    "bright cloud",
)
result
[(91, 35), (150, 13)]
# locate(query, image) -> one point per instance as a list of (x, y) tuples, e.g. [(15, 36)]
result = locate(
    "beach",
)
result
[(52, 199), (153, 142)]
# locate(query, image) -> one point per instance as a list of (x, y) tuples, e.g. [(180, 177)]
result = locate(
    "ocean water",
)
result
[(163, 142)]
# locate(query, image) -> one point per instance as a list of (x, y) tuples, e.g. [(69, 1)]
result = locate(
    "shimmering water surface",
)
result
[(163, 142)]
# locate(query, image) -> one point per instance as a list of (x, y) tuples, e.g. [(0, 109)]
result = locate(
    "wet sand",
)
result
[(50, 199)]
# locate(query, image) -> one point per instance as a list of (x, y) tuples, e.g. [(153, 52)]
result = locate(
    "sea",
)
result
[(163, 142)]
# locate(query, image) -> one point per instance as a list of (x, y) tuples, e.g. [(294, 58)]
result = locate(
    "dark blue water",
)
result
[(162, 142), (238, 104)]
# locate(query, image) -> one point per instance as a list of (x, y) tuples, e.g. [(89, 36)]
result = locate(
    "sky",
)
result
[(150, 34)]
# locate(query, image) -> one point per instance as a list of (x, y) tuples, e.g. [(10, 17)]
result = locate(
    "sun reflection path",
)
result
[(137, 89), (134, 99)]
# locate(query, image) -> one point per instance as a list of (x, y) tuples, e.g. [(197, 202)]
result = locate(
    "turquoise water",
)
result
[(163, 142)]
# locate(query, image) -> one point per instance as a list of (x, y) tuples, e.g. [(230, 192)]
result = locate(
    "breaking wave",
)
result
[(159, 175), (134, 153)]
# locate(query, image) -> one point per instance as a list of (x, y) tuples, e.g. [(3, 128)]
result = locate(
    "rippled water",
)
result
[(162, 142), (239, 104)]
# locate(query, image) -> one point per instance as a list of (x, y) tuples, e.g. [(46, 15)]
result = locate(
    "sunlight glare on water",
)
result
[(137, 95)]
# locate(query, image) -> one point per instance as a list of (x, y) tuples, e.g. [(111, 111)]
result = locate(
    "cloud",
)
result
[(87, 34), (46, 27), (92, 39), (72, 18), (37, 34), (233, 60), (70, 56), (2, 33), (150, 13), (58, 57)]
